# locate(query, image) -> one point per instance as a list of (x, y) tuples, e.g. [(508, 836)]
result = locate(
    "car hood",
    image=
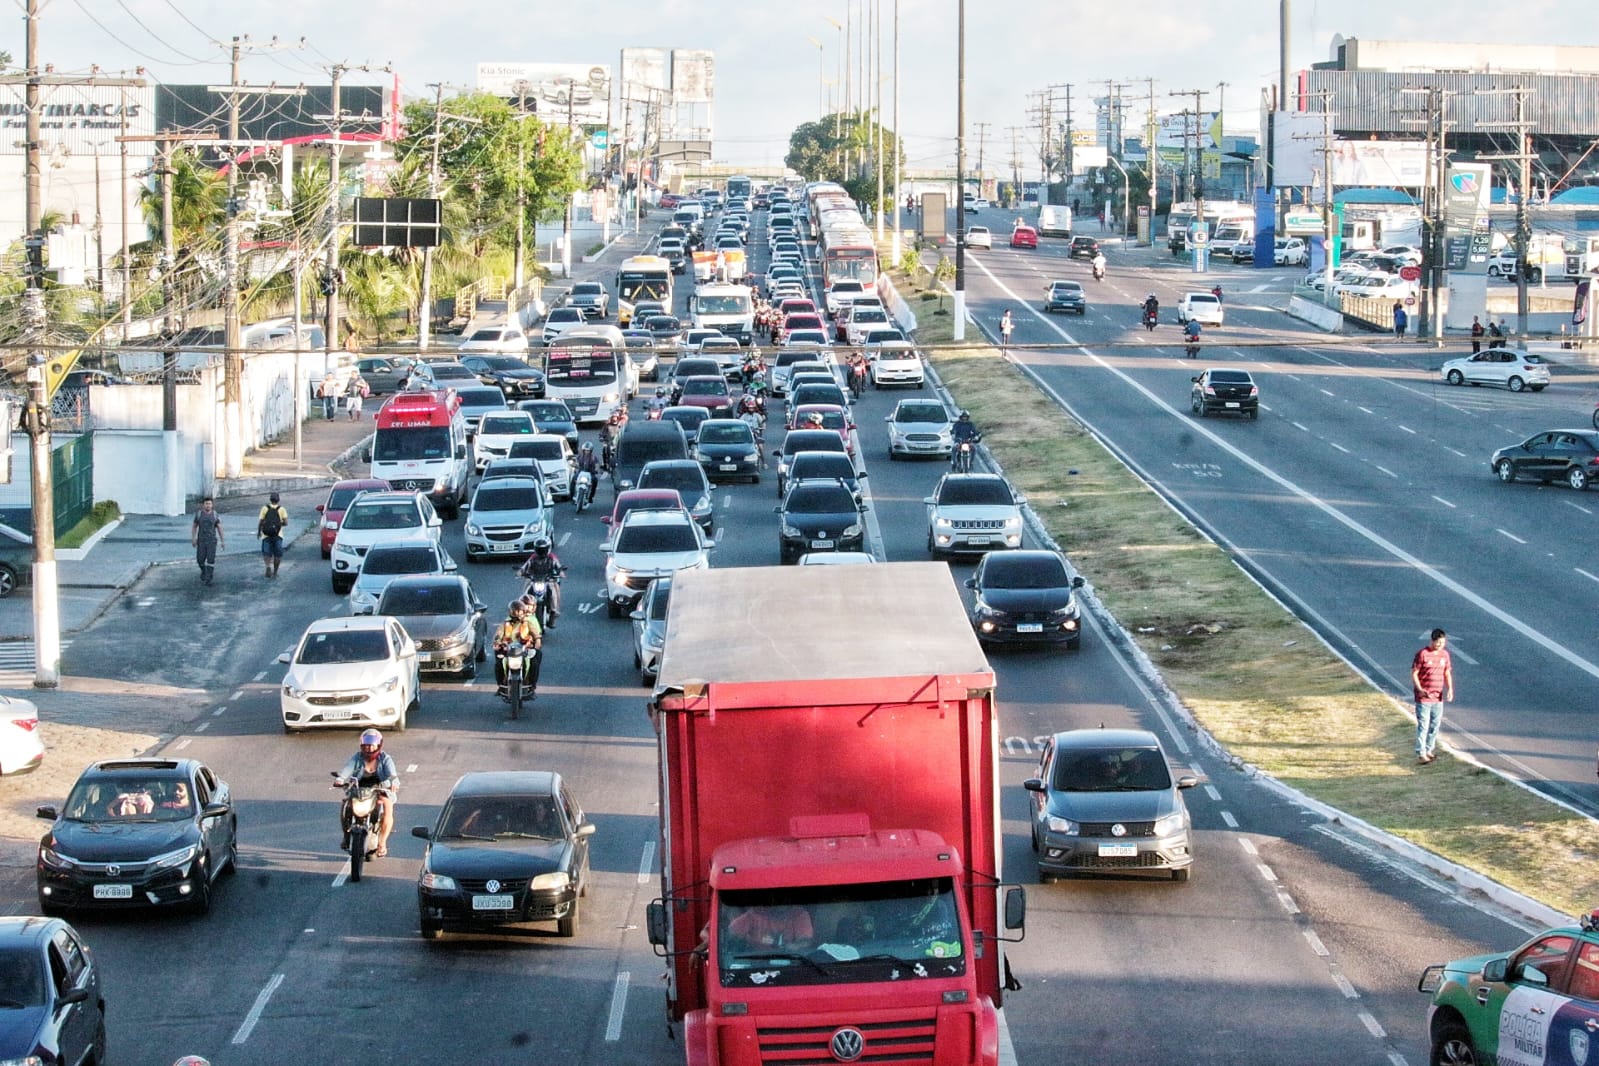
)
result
[(508, 859), (517, 373), (339, 677), (920, 427), (1113, 806), (431, 626), (1027, 600), (713, 448), (19, 1032), (986, 512), (120, 841), (657, 562), (830, 520), (705, 399)]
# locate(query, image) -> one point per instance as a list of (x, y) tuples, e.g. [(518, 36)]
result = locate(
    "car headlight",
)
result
[(294, 692), (55, 860), (545, 882), (440, 484), (611, 397), (943, 523), (620, 574), (172, 859), (437, 882), (363, 597), (1063, 826), (388, 685), (791, 531), (472, 529), (750, 456), (1013, 523), (852, 530), (1169, 824)]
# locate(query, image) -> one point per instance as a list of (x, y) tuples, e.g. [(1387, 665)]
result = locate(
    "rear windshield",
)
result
[(485, 335), (637, 452), (1230, 377), (966, 491), (687, 480), (813, 440), (339, 499), (423, 599), (506, 498), (687, 417), (823, 465), (704, 387), (847, 286), (481, 397), (677, 537), (418, 560)]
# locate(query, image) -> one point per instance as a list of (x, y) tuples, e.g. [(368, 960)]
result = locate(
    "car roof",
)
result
[(636, 495), (506, 783), (658, 518), (1088, 739), (373, 499), (374, 483), (428, 581)]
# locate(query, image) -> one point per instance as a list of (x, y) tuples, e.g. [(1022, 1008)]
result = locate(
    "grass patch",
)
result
[(103, 514), (1225, 646)]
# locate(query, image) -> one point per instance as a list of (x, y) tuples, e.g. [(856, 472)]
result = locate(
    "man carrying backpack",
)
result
[(269, 527)]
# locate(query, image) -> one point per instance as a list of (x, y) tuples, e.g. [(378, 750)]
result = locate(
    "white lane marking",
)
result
[(237, 694), (1369, 411), (247, 1026), (646, 862), (1387, 860), (1288, 903), (1407, 429), (717, 539), (613, 1026), (1445, 502), (1210, 790), (1578, 506), (185, 742), (1396, 1059), (1315, 943), (1507, 533), (560, 542), (1457, 451), (201, 728), (1390, 473), (1248, 846), (1345, 987), (1266, 871), (410, 768), (218, 712), (259, 676), (1585, 573), (727, 499), (1499, 614), (1324, 392), (1227, 816), (1340, 447), (1456, 650), (1371, 1025), (1297, 425), (343, 875)]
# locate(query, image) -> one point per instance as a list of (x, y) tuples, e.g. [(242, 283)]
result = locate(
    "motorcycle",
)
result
[(539, 589), (1149, 320), (515, 655), (583, 490), (1192, 348), (359, 812), (961, 456), (1099, 273)]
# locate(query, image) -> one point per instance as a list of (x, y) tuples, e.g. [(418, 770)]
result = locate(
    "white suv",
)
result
[(351, 672), (973, 513), (376, 516), (497, 432), (648, 545), (897, 364)]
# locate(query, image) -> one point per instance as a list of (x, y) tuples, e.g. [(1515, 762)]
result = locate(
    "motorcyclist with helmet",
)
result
[(519, 627), (587, 460), (1151, 307), (609, 433), (656, 404), (1099, 266), (372, 767), (964, 429), (1191, 337), (544, 565)]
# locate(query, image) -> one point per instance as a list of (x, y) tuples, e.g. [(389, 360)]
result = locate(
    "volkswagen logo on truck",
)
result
[(847, 1045)]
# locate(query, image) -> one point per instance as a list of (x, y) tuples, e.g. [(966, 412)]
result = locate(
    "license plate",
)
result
[(821, 544), (1029, 627), (502, 547), (1118, 851), (979, 540), (492, 903), (113, 891), (1232, 403), (727, 466), (336, 714)]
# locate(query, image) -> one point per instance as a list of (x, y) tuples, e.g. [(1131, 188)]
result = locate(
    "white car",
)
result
[(799, 338), (1381, 286), (841, 295), (350, 672), (496, 432), (495, 340), (648, 545), (1510, 367), (920, 427), (1367, 282), (1502, 264), (979, 237), (374, 517), (21, 745), (553, 453), (561, 319), (863, 318), (897, 363), (1201, 307), (1290, 251), (389, 559)]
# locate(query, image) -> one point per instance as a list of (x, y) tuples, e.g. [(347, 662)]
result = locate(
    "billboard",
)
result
[(1177, 131), (557, 92), (1299, 138), (76, 118), (644, 69), (693, 76)]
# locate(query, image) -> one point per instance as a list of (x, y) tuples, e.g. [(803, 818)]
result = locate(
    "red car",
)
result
[(339, 497), (709, 393), (801, 320), (1024, 237), (670, 200), (834, 417), (795, 305), (643, 500)]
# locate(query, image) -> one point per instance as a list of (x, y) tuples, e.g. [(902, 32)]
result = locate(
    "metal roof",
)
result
[(1372, 101)]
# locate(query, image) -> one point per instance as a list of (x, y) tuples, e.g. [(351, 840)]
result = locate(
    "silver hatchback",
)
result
[(506, 515), (919, 427)]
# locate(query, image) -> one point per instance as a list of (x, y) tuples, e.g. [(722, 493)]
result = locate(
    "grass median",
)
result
[(1226, 647)]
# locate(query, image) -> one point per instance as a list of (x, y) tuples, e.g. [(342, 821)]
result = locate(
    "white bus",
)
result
[(588, 368)]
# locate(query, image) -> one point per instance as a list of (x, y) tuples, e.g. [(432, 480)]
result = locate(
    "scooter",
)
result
[(359, 813), (583, 491), (1099, 273)]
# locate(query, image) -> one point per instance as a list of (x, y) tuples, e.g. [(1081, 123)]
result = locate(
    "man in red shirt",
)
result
[(1432, 681)]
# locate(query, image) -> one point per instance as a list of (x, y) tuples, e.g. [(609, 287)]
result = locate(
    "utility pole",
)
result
[(566, 229), (1196, 184), (897, 152), (958, 326), (122, 211), (424, 315), (1523, 156), (1436, 123), (1046, 154), (1016, 158), (518, 259), (877, 112), (1152, 159), (331, 275), (982, 136)]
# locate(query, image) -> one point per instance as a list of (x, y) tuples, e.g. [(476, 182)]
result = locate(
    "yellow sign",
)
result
[(56, 370), (1084, 138)]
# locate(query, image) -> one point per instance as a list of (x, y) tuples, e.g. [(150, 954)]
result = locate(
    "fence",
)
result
[(72, 467)]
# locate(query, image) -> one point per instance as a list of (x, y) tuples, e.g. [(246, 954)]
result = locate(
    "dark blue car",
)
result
[(51, 1006)]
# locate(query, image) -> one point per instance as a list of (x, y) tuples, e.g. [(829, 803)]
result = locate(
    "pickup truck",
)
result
[(591, 298)]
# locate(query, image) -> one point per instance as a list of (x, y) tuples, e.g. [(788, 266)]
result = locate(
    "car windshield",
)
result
[(382, 516), (705, 387), (831, 418), (565, 314), (1006, 572), (819, 499), (544, 411), (964, 491), (506, 498), (21, 978), (546, 450), (736, 433), (921, 412), (868, 314), (689, 481), (344, 646), (643, 540), (503, 425), (498, 817), (587, 288), (723, 305), (423, 599), (128, 797), (485, 335), (418, 560), (1111, 770), (452, 372), (843, 287), (499, 362), (424, 442), (660, 603)]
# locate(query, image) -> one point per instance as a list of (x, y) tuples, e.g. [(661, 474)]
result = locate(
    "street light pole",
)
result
[(959, 326), (897, 152), (821, 76)]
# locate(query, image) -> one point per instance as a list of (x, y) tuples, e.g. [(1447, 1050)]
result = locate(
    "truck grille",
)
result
[(900, 1043), (413, 484)]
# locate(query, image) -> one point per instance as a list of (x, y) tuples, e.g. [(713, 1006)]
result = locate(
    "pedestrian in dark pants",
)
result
[(1496, 333), (1432, 681), (1476, 335), (1400, 319), (206, 536), (269, 527)]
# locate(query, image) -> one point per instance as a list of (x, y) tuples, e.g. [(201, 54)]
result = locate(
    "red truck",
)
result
[(830, 883)]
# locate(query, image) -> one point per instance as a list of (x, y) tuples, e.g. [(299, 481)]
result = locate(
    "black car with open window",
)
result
[(138, 833), (52, 1008), (1026, 597), (510, 847), (1569, 455)]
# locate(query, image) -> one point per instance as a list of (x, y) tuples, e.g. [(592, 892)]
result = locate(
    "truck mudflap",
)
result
[(949, 1035)]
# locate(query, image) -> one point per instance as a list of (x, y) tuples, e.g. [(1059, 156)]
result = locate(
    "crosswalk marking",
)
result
[(16, 662)]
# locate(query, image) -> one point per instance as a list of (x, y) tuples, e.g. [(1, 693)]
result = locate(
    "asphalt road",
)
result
[(1290, 945)]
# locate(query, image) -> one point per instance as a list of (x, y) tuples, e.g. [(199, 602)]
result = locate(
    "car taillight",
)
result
[(27, 724)]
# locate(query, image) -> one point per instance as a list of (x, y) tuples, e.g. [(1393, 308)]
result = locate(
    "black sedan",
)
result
[(510, 847), (1569, 455), (51, 1006), (1026, 597), (552, 416), (138, 833), (819, 516), (1222, 390), (514, 377), (1083, 248)]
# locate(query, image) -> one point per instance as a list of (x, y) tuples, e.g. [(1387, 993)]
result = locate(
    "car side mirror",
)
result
[(1187, 781), (1195, 380), (366, 455), (283, 658), (1496, 970), (71, 996), (655, 923), (460, 451), (216, 810), (637, 616), (605, 520), (465, 505), (928, 500), (47, 812), (1034, 784), (1016, 908), (321, 508), (607, 547), (585, 830), (1077, 582), (421, 832)]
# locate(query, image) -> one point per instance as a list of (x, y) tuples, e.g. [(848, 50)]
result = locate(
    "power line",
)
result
[(123, 5)]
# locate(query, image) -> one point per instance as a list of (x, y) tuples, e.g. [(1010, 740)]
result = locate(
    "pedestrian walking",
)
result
[(1504, 332), (1400, 320), (329, 393), (206, 536), (1432, 680), (269, 527), (1102, 220), (1496, 335), (354, 393), (1006, 325), (1476, 334)]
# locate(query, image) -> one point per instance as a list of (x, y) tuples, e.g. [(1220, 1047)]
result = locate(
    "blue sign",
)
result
[(600, 138)]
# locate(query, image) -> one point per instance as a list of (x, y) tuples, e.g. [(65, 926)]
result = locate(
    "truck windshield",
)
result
[(836, 934), (723, 305), (423, 442)]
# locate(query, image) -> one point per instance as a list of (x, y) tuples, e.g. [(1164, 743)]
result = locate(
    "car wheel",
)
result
[(230, 865), (200, 903), (569, 925), (1506, 470), (613, 609), (1183, 874), (430, 930), (1452, 1047), (1577, 478), (1537, 388), (405, 714), (1516, 383), (1456, 378), (342, 587), (468, 669), (1254, 413), (8, 580), (327, 553)]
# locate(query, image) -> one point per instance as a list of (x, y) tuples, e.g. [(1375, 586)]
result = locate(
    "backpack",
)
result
[(271, 524)]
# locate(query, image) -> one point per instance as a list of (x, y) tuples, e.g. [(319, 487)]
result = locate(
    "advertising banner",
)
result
[(1298, 140), (556, 92), (693, 76), (1468, 240), (644, 69), (74, 119)]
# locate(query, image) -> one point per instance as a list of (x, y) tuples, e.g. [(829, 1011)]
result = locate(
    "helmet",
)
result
[(192, 1060), (515, 608), (816, 418), (541, 546), (373, 740), (660, 391), (965, 416), (588, 446)]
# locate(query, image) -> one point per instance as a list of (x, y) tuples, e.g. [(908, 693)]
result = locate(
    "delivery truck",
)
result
[(1054, 220), (830, 881)]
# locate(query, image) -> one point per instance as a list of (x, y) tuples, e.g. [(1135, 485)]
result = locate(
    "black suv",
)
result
[(819, 516), (1225, 391), (138, 833), (1084, 248)]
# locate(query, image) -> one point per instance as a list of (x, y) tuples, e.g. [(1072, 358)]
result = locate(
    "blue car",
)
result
[(54, 1010)]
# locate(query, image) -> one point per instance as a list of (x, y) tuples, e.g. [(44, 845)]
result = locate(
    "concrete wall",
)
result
[(128, 466), (1318, 315)]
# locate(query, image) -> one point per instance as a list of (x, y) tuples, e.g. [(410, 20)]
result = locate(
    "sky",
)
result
[(769, 70)]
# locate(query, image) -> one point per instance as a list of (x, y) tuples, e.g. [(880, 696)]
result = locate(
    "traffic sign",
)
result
[(1410, 301), (1410, 273), (600, 138)]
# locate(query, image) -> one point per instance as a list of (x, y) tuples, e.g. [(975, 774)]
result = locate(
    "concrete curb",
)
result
[(81, 553)]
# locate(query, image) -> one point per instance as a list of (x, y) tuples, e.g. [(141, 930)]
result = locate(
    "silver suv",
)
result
[(919, 427), (973, 513)]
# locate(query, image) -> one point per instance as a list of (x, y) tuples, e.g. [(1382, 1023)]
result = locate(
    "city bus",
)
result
[(739, 187), (588, 367), (643, 277), (848, 252)]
